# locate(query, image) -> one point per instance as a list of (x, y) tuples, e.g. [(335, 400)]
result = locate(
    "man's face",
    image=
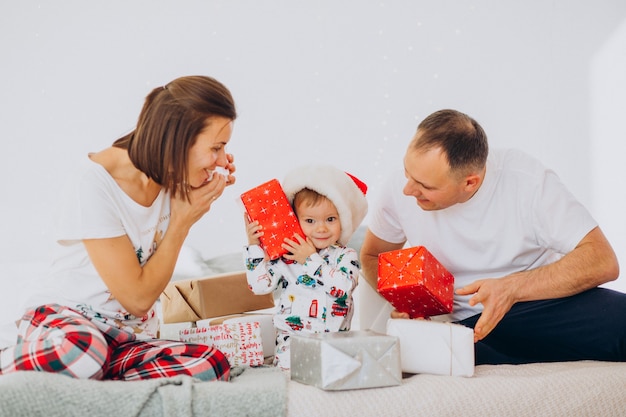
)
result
[(429, 180)]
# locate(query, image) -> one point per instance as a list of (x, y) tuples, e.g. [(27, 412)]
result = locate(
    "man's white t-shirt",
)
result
[(95, 207), (522, 217)]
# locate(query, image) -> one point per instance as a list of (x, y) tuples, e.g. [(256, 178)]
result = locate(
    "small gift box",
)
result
[(431, 347), (345, 360), (268, 204), (240, 342), (414, 282), (266, 322)]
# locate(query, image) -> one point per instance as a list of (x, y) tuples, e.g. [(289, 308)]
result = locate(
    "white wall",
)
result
[(344, 82)]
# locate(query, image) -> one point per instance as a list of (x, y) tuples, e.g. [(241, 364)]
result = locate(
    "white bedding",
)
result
[(568, 389), (555, 389)]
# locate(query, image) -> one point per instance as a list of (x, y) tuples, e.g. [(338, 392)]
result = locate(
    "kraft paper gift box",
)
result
[(431, 347), (240, 342), (414, 282), (268, 204), (345, 360), (265, 320), (219, 295)]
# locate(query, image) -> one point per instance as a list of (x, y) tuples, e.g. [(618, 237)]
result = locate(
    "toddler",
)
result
[(317, 276)]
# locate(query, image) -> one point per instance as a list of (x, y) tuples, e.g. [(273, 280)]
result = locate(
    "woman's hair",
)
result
[(169, 123), (461, 138)]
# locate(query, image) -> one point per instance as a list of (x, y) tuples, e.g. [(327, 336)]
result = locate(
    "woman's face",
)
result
[(209, 151)]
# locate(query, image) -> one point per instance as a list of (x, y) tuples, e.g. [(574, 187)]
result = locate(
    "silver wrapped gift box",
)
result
[(346, 360)]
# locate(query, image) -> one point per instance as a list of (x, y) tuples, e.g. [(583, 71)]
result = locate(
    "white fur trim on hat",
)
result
[(338, 187)]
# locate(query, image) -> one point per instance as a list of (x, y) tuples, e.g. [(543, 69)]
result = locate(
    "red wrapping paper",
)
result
[(414, 282), (268, 204)]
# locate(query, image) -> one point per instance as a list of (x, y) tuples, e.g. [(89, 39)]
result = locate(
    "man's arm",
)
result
[(591, 263), (371, 247)]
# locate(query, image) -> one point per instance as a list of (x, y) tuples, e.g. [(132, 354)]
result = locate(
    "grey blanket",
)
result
[(255, 392)]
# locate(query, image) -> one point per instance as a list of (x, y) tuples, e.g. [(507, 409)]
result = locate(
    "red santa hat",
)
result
[(345, 191)]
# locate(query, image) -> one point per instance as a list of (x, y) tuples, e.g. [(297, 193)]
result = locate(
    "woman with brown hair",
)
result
[(124, 221)]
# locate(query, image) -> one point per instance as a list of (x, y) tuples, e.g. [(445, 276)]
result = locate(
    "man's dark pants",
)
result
[(587, 326)]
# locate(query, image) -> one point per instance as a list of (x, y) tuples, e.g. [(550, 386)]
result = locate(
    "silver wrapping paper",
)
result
[(346, 360)]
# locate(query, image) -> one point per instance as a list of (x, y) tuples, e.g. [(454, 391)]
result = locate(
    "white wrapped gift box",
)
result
[(345, 360), (268, 333), (431, 347), (240, 342)]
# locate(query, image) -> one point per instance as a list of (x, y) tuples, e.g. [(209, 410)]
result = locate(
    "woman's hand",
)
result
[(185, 213), (299, 249), (230, 167)]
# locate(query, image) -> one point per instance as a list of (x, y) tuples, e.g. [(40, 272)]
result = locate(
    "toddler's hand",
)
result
[(254, 231), (298, 249)]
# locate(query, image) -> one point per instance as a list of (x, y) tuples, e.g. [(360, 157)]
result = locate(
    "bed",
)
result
[(584, 388)]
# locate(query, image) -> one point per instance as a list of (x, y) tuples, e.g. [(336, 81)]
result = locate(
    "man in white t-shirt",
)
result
[(527, 257)]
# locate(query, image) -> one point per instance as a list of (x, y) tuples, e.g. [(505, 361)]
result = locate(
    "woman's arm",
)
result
[(137, 287)]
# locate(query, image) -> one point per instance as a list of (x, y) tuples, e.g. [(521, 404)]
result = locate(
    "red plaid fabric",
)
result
[(54, 338), (163, 358)]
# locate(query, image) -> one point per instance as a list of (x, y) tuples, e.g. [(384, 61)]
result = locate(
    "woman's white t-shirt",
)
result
[(95, 207), (522, 217)]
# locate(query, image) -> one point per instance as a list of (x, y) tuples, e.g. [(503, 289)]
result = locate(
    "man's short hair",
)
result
[(461, 138)]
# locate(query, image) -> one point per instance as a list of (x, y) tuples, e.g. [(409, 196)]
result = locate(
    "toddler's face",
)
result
[(320, 223)]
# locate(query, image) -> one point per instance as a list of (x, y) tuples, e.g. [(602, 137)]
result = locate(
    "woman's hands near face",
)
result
[(230, 167), (186, 213)]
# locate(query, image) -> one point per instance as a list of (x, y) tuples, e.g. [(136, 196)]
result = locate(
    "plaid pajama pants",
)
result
[(54, 338)]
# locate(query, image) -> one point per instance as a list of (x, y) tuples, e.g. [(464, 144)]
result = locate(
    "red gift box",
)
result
[(414, 282), (268, 204)]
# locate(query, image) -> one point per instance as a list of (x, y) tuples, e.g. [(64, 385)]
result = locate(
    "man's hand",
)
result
[(395, 314), (496, 296)]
